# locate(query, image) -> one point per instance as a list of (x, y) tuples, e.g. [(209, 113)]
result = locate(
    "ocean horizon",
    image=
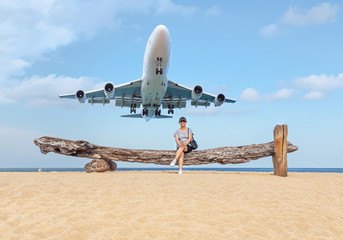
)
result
[(317, 170)]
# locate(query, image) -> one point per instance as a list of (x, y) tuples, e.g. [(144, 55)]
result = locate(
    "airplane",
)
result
[(153, 90)]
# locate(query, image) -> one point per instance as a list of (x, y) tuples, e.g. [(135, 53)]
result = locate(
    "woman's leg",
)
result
[(181, 160), (179, 151)]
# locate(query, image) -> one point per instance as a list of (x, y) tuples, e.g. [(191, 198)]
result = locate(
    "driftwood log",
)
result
[(222, 155)]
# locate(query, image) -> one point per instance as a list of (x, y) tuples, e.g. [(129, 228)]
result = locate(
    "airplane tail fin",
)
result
[(132, 116), (140, 116), (164, 116)]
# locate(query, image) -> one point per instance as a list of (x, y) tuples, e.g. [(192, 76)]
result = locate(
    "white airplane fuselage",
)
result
[(155, 67)]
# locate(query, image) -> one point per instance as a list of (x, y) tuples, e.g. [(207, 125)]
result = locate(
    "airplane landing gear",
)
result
[(133, 108), (145, 112), (159, 69), (158, 112), (171, 109)]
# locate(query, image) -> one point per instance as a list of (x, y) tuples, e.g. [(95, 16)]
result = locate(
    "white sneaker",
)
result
[(173, 163), (180, 171)]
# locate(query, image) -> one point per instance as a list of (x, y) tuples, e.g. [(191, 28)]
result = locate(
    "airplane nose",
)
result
[(162, 31), (160, 42)]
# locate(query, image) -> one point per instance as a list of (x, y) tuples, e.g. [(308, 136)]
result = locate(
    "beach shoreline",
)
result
[(165, 205)]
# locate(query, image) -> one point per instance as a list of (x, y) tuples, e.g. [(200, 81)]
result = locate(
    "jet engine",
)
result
[(109, 90), (219, 100), (196, 93), (81, 96)]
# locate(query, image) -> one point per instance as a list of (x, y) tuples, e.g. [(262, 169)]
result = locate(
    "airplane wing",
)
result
[(178, 95), (124, 94)]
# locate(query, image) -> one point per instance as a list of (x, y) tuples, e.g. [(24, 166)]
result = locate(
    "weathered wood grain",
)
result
[(280, 150), (221, 155)]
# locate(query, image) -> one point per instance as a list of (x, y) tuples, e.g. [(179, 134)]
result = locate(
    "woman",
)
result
[(183, 136)]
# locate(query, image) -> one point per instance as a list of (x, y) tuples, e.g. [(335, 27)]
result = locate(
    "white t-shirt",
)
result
[(183, 136)]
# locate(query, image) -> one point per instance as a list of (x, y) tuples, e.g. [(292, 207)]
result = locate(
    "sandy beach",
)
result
[(164, 205)]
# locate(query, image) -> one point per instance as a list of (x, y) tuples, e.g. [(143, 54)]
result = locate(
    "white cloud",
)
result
[(323, 13), (282, 94), (250, 95), (4, 98), (318, 85), (314, 95), (320, 14), (43, 91), (270, 30), (31, 29), (212, 11), (319, 82), (315, 86), (167, 6)]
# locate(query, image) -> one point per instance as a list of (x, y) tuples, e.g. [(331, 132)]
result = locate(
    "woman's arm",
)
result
[(177, 141), (189, 138)]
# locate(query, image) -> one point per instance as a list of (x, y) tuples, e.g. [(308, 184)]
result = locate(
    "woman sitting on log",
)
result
[(183, 136)]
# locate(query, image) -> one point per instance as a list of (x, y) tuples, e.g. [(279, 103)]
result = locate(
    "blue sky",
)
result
[(282, 61)]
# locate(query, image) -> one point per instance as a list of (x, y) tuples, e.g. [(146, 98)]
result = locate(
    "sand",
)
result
[(164, 205)]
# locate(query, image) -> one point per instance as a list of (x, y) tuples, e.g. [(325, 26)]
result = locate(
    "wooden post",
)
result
[(280, 150)]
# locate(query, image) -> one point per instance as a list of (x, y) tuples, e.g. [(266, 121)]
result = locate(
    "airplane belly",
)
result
[(153, 91)]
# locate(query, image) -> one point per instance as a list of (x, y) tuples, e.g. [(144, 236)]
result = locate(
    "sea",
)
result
[(316, 170)]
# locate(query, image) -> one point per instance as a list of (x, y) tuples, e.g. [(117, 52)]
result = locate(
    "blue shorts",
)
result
[(189, 149)]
